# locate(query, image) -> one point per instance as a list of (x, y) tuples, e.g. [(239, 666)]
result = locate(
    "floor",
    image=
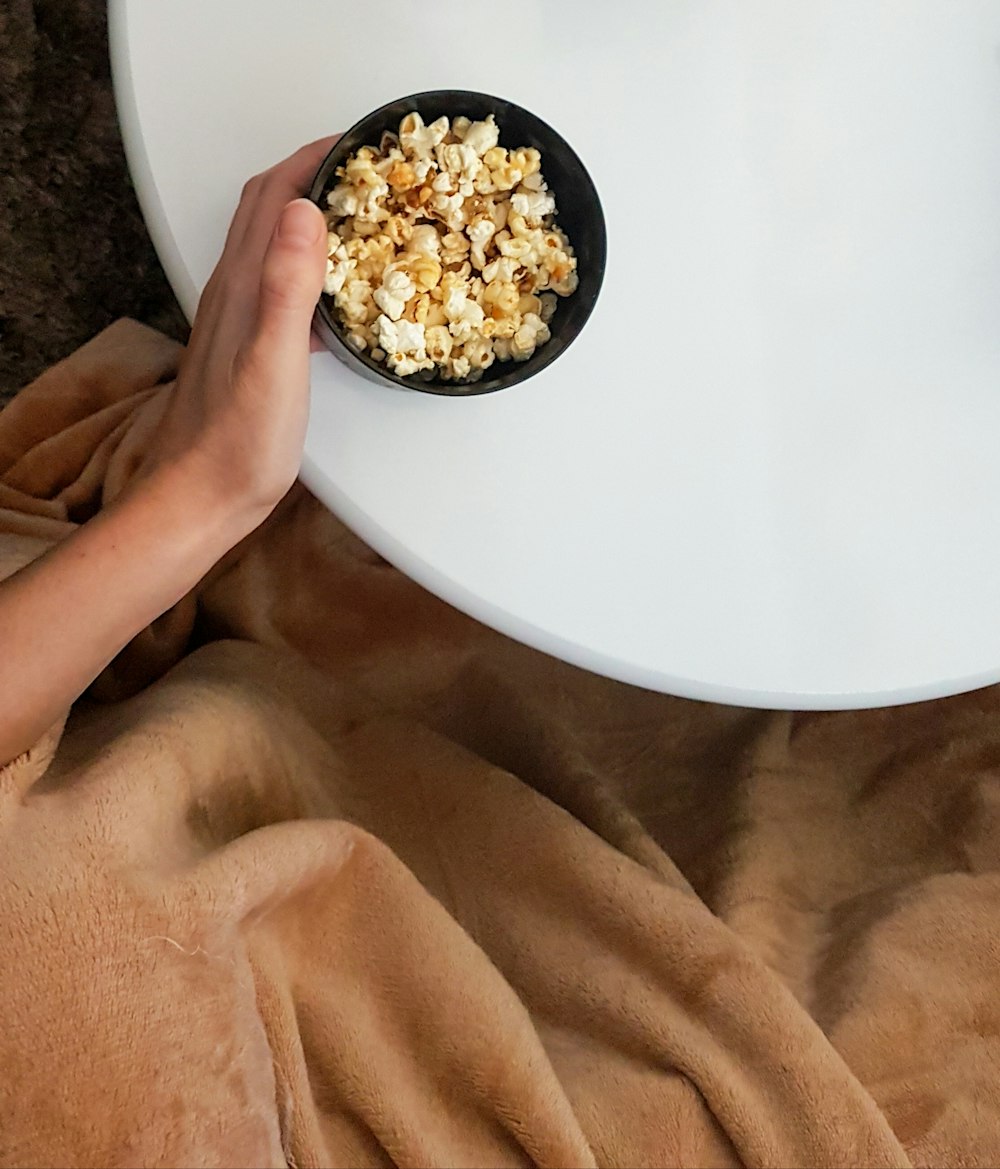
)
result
[(74, 254)]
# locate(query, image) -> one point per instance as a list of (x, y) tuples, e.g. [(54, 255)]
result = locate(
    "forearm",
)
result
[(227, 449), (64, 617)]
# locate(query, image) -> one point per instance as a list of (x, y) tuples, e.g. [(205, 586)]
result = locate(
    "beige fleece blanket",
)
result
[(324, 873)]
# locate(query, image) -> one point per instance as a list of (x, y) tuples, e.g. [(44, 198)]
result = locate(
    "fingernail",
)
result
[(301, 223)]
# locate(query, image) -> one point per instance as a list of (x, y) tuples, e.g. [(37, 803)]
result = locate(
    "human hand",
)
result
[(232, 436), (227, 449)]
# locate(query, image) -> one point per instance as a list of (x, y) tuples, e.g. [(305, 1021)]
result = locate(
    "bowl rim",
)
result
[(330, 327)]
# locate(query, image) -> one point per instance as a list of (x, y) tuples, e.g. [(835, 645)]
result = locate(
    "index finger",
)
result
[(295, 173), (266, 194)]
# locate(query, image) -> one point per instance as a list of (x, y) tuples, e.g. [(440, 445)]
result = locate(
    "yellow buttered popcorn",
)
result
[(444, 252)]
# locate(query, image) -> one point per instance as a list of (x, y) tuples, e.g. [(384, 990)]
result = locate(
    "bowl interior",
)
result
[(578, 213)]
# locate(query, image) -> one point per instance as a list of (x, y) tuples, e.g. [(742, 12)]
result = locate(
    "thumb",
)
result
[(291, 279)]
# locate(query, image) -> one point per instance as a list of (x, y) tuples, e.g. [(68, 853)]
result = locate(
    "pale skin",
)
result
[(227, 452)]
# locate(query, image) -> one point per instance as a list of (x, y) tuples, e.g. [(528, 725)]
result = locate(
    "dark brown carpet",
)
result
[(74, 254)]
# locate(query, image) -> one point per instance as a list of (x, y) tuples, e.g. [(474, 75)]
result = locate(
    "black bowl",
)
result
[(578, 213)]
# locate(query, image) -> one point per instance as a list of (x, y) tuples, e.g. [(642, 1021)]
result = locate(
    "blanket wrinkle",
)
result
[(323, 872)]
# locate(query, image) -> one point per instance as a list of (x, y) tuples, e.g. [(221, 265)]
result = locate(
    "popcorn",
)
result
[(565, 285), (371, 255), (343, 200), (424, 238), (482, 136), (506, 176), (405, 345), (541, 330), (483, 183), (457, 368), (459, 309), (402, 176), (417, 308), (454, 248), (480, 232), (398, 229), (391, 298), (353, 301), (503, 268), (435, 315), (506, 327), (443, 253), (424, 270), (449, 209), (338, 265), (360, 171), (515, 248), (418, 139), (337, 274), (531, 204), (522, 344), (526, 161), (438, 344), (501, 297), (409, 338), (459, 159), (479, 352), (404, 366)]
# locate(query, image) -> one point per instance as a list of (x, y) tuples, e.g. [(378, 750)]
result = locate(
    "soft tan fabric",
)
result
[(360, 882)]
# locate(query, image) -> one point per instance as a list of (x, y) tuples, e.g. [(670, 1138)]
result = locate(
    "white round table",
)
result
[(767, 471)]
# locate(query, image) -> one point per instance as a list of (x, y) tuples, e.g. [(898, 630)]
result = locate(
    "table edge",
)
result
[(139, 166), (461, 598)]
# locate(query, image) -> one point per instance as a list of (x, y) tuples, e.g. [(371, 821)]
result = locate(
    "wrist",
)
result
[(193, 512)]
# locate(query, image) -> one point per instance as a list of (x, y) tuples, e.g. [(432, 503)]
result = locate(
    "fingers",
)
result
[(231, 293), (291, 280), (299, 169), (266, 194)]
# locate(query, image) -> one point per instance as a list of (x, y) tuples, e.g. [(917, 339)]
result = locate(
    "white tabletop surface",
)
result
[(767, 471)]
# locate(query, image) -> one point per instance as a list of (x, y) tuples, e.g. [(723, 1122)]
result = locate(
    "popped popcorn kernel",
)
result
[(548, 302), (439, 344), (396, 290), (482, 136), (443, 252), (342, 200), (398, 229), (457, 368), (527, 160), (501, 298), (402, 176), (423, 269), (479, 350), (424, 238), (418, 139)]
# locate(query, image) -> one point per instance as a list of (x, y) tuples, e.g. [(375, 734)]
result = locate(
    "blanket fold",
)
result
[(323, 872)]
